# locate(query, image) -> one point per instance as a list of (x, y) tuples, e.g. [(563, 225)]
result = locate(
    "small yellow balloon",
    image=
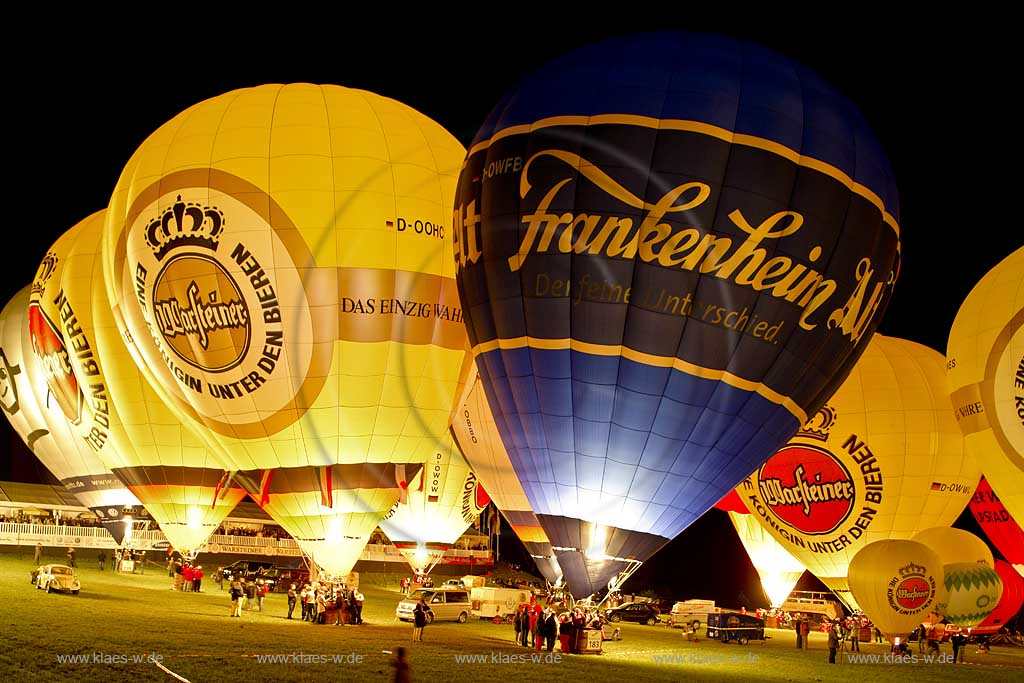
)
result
[(896, 583)]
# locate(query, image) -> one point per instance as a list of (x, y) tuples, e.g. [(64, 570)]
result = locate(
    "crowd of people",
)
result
[(186, 576), (538, 627), (46, 520), (264, 531)]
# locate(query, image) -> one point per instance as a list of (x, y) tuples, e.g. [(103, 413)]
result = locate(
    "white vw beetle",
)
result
[(56, 577)]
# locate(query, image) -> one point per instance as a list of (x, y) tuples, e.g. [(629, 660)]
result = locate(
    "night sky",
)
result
[(937, 93)]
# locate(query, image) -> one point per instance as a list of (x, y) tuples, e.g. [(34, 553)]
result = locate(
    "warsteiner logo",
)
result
[(474, 498), (210, 309), (808, 489), (213, 315), (912, 590), (49, 349)]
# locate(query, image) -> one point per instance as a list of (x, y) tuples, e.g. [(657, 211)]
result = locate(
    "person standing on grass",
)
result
[(833, 643), (71, 557), (292, 597), (357, 605), (237, 598), (250, 594), (321, 606), (102, 557), (38, 555), (805, 631), (304, 599), (261, 592), (187, 573), (419, 619), (517, 623), (197, 578)]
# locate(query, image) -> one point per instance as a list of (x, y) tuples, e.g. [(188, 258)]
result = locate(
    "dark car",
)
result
[(278, 578), (245, 570), (640, 612)]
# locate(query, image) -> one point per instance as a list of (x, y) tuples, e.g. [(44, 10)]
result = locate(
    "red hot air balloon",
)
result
[(999, 525), (671, 249)]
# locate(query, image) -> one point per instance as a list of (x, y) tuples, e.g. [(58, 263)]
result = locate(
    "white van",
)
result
[(446, 604), (498, 604), (691, 613)]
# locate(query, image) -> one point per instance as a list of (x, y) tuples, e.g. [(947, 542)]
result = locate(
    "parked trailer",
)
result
[(498, 604), (735, 626)]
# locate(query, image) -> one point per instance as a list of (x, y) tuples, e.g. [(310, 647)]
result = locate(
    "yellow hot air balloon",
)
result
[(896, 583), (173, 472), (42, 425), (474, 429), (281, 257), (956, 545), (882, 460), (778, 570), (442, 501), (973, 587), (985, 363)]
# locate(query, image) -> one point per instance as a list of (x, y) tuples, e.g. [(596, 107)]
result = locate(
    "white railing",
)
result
[(14, 533)]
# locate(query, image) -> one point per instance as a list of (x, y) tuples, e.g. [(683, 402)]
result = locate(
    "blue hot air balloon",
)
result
[(671, 248)]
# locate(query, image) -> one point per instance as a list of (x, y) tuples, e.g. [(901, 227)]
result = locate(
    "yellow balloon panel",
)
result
[(985, 362), (42, 424), (956, 546), (440, 504), (883, 460), (897, 583), (329, 511)]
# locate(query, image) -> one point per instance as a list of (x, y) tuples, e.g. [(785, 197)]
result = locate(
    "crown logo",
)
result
[(183, 224), (46, 269), (912, 570), (819, 426)]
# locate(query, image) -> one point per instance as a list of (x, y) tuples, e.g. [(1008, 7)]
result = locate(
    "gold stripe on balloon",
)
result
[(988, 387), (646, 359), (705, 129)]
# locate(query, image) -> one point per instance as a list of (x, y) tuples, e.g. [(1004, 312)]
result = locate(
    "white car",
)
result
[(56, 577)]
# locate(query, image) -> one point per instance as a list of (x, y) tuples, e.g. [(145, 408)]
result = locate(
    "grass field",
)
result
[(117, 619)]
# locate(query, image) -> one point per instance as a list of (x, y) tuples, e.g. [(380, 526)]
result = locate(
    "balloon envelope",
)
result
[(985, 361), (882, 460), (896, 583), (442, 501), (1009, 603), (476, 433), (281, 256), (998, 524), (42, 424), (955, 546), (671, 249), (172, 471)]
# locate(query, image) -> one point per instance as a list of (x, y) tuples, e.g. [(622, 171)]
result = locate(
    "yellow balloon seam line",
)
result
[(706, 129), (646, 359)]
